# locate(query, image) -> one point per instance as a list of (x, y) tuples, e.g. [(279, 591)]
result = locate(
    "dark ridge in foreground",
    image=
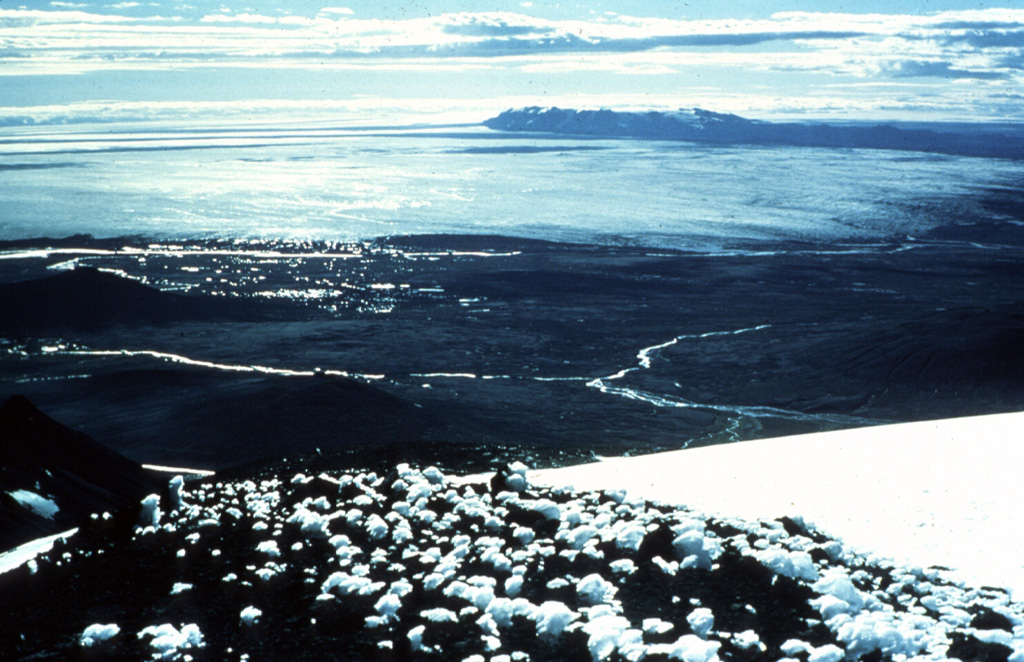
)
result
[(88, 299), (44, 463), (704, 126), (416, 565), (187, 416)]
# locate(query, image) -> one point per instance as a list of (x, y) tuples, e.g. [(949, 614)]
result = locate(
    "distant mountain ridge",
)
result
[(89, 298), (705, 126)]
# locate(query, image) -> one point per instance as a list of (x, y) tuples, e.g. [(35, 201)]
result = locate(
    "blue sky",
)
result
[(71, 60)]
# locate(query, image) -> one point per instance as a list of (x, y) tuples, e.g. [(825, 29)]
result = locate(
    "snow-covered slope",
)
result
[(705, 126), (933, 493)]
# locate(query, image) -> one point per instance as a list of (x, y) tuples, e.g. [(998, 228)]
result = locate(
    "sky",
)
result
[(464, 60)]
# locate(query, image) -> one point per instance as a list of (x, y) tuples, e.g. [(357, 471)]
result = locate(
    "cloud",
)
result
[(1013, 61), (935, 69), (335, 11), (617, 64), (335, 33), (791, 49), (977, 25), (36, 18), (338, 111), (248, 19), (495, 25), (986, 39), (484, 34)]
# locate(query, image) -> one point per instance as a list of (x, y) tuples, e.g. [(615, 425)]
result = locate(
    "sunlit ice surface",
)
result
[(351, 183)]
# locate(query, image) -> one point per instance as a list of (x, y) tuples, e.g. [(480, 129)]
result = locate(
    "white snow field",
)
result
[(944, 493)]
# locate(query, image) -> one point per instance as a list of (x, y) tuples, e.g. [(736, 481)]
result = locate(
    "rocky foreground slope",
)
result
[(291, 562)]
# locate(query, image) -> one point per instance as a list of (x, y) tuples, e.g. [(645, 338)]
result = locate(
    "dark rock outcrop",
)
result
[(87, 299), (41, 457)]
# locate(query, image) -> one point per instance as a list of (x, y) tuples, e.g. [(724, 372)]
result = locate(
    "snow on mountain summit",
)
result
[(678, 124), (415, 565)]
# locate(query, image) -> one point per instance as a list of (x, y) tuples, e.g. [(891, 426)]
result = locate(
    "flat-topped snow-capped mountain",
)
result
[(705, 126)]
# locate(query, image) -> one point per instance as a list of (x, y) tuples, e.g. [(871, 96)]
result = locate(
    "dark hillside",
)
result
[(70, 469)]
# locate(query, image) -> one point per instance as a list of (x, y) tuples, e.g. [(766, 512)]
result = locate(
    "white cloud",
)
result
[(785, 54), (20, 19), (333, 11), (248, 19), (492, 34)]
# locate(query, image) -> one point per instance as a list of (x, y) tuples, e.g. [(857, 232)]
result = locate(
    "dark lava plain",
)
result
[(467, 351)]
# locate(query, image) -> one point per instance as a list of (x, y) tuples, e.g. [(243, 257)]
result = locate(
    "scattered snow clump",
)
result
[(269, 547), (593, 589), (552, 618), (250, 615), (697, 550), (98, 632), (630, 537), (701, 621), (150, 515), (798, 565), (168, 640), (176, 485), (440, 615), (689, 648), (827, 653), (608, 633)]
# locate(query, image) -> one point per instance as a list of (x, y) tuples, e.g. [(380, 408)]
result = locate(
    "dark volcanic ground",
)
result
[(450, 344)]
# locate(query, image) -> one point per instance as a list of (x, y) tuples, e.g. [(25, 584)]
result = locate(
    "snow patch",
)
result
[(250, 615), (552, 618), (149, 517), (689, 648), (37, 503), (97, 633), (701, 621), (168, 641)]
